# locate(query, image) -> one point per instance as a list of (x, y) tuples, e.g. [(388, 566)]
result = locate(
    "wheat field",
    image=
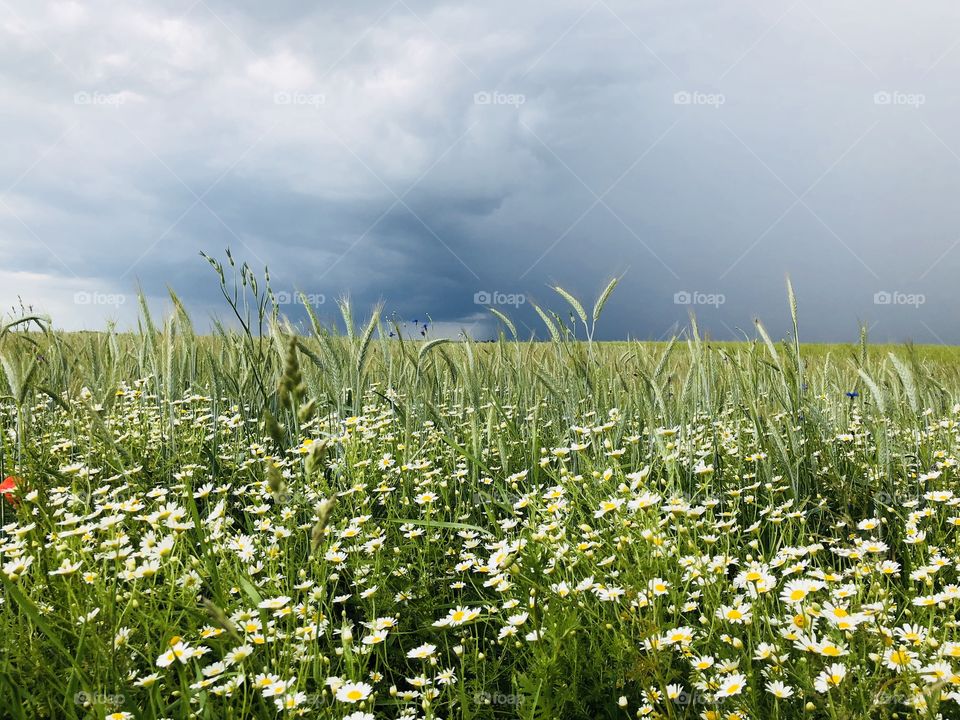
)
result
[(328, 521)]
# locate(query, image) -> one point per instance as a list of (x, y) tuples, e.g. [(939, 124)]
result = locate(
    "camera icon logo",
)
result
[(882, 98)]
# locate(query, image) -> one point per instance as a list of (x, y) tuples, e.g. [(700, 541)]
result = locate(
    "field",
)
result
[(265, 522)]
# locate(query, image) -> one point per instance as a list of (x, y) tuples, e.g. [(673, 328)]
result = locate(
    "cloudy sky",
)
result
[(444, 156)]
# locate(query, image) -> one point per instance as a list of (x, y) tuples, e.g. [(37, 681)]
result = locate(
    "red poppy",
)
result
[(7, 489)]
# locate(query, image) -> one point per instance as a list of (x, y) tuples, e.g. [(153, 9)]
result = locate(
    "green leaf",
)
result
[(250, 590), (29, 609), (437, 524)]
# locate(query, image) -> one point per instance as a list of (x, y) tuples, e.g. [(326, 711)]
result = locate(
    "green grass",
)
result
[(209, 525)]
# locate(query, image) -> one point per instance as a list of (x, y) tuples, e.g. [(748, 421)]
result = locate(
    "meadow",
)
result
[(327, 521)]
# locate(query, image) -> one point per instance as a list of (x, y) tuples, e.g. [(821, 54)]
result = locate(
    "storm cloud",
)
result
[(442, 157)]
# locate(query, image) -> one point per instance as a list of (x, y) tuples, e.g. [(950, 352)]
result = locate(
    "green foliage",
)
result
[(368, 479)]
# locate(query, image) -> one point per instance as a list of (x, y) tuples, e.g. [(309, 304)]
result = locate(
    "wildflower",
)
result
[(178, 650), (353, 692), (680, 636), (828, 648), (458, 616), (277, 687), (274, 603), (66, 568), (732, 685), (608, 506), (290, 701), (375, 638), (17, 567), (830, 678), (446, 677), (658, 586), (900, 659), (704, 662), (737, 614), (779, 689), (8, 489), (796, 591), (264, 681)]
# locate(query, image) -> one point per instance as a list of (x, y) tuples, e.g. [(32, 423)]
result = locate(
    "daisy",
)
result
[(779, 689), (830, 678), (278, 687), (732, 685), (658, 586), (900, 659), (608, 506), (704, 662), (375, 638), (679, 636), (828, 648), (178, 651), (264, 681), (66, 568), (274, 603), (147, 680), (238, 654), (737, 614), (796, 591), (458, 616), (353, 692)]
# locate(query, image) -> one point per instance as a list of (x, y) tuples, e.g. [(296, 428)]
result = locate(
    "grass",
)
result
[(335, 523)]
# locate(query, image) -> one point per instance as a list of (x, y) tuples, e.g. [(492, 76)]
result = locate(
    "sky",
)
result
[(444, 158)]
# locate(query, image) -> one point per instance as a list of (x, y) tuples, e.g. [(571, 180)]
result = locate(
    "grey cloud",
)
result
[(502, 127)]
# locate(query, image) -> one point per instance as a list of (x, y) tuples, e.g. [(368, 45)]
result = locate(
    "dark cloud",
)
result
[(432, 154)]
